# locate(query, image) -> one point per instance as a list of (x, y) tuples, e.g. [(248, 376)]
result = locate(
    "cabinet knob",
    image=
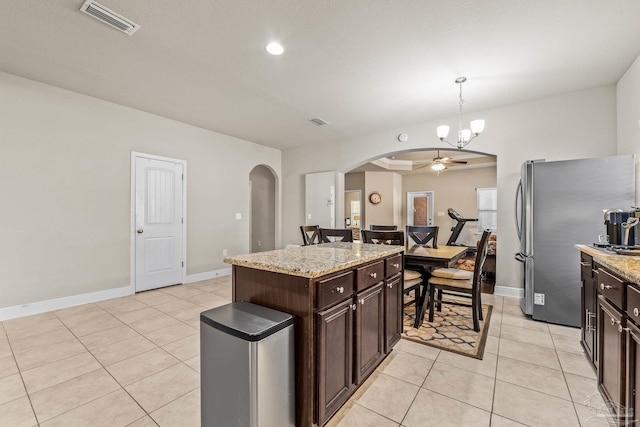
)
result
[(636, 311), (340, 289), (603, 286), (619, 328), (613, 321), (396, 265), (353, 307), (373, 275), (362, 301), (390, 285)]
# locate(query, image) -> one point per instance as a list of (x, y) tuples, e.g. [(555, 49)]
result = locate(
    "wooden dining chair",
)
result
[(462, 283), (328, 235), (422, 235), (414, 277), (310, 234), (383, 227)]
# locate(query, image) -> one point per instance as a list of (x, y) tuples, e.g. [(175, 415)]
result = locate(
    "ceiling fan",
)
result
[(439, 163)]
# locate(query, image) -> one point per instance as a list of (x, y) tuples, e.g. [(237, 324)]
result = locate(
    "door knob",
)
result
[(140, 230)]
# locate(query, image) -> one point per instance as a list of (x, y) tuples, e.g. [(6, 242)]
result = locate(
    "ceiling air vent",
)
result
[(318, 121), (109, 17)]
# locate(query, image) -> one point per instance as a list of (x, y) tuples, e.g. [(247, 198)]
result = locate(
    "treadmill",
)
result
[(455, 231)]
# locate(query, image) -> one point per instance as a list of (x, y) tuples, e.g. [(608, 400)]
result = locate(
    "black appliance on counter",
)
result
[(621, 227)]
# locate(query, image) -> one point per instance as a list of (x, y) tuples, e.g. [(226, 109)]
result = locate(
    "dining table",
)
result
[(430, 258)]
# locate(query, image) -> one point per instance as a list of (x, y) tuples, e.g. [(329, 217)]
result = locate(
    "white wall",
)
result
[(65, 186), (385, 183), (628, 112), (574, 125)]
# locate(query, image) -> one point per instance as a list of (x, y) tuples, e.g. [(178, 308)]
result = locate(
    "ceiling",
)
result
[(362, 65)]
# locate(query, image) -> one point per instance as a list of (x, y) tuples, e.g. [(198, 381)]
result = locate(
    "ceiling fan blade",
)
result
[(456, 162), (422, 166)]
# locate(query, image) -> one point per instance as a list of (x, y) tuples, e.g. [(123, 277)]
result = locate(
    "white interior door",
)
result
[(158, 230)]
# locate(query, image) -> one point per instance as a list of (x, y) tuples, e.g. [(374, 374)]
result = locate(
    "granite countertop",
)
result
[(314, 260), (626, 266)]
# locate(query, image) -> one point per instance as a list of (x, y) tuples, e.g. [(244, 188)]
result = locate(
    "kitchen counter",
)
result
[(626, 266), (314, 260)]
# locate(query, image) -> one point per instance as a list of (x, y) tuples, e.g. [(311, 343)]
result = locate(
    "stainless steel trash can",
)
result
[(246, 367)]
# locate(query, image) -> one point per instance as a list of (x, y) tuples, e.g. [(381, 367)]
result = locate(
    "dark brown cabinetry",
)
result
[(633, 373), (393, 311), (589, 296), (611, 344), (335, 357), (345, 325), (611, 335)]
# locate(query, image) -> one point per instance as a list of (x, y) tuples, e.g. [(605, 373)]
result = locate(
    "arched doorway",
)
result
[(262, 183)]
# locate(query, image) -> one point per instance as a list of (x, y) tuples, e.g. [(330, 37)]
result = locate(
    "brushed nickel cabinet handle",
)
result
[(603, 286), (373, 275), (396, 265), (636, 311), (585, 264), (353, 307), (362, 301), (340, 289)]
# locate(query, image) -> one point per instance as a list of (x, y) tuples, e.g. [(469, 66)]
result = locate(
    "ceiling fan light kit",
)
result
[(465, 136)]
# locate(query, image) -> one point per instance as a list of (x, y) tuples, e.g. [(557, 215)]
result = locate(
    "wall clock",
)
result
[(375, 198)]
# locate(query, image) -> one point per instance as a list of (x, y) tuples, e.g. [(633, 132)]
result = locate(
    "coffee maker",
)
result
[(620, 226)]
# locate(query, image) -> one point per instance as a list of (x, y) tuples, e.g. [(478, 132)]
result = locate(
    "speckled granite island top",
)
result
[(315, 260), (626, 266)]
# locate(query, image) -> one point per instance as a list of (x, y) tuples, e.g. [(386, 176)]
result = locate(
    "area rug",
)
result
[(451, 329)]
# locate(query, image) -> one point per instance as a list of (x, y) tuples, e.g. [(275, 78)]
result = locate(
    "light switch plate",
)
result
[(238, 216)]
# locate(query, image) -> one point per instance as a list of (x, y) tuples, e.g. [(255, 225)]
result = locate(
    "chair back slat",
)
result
[(328, 235), (481, 257), (383, 227), (383, 237), (422, 235), (310, 234)]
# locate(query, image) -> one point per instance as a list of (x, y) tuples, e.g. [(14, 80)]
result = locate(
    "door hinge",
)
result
[(183, 263), (182, 220), (183, 177)]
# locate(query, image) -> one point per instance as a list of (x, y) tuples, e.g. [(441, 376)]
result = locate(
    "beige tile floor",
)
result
[(134, 361)]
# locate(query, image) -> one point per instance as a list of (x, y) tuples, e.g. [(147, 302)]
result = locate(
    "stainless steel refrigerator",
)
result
[(560, 204)]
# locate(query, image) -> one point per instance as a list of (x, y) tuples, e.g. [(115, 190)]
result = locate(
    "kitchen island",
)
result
[(611, 326), (347, 303)]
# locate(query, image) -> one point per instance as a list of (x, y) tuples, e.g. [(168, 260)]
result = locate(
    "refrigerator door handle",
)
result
[(518, 209), (520, 257)]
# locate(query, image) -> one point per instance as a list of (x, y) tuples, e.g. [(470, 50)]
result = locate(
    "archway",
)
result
[(262, 231)]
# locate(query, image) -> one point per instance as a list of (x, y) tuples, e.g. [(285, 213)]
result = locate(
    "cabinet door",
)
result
[(589, 296), (633, 374), (611, 345), (335, 358), (393, 312), (369, 331)]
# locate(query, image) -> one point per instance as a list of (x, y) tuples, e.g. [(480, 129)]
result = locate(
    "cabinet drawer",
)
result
[(586, 264), (335, 289), (610, 287), (393, 266), (369, 275), (633, 303)]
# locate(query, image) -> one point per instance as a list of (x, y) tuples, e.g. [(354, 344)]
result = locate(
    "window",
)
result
[(487, 209)]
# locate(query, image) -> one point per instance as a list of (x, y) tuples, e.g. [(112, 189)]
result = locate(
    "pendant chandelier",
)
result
[(465, 136)]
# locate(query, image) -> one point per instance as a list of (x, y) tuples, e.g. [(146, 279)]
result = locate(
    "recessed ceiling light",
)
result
[(275, 48)]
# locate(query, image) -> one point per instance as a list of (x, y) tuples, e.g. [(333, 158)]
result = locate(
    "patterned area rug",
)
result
[(451, 330)]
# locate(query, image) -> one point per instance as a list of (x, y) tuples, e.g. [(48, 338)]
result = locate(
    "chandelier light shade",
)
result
[(465, 136)]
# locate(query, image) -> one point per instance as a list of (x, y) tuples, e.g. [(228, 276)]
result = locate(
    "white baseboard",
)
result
[(60, 303), (208, 275), (507, 291)]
